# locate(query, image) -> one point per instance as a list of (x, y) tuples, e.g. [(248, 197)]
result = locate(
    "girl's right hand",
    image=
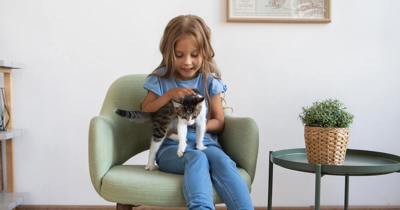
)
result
[(178, 93)]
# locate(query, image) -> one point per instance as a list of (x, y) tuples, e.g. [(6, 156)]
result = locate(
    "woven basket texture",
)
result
[(326, 146)]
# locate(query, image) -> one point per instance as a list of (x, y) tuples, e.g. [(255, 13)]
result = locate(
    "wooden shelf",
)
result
[(9, 64), (8, 135), (8, 198), (9, 201)]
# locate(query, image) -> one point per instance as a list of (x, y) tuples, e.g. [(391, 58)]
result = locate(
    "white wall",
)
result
[(73, 50)]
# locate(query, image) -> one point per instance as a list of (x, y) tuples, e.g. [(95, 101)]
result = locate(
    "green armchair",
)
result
[(113, 140)]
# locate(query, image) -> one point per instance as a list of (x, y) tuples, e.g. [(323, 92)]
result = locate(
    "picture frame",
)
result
[(279, 11)]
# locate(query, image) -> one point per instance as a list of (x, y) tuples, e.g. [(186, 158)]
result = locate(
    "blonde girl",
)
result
[(188, 64)]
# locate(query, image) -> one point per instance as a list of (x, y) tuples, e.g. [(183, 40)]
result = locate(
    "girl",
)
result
[(188, 63)]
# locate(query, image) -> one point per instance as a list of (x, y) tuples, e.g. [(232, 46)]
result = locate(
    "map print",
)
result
[(280, 8)]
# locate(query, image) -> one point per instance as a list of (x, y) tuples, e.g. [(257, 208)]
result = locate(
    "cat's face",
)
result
[(189, 107)]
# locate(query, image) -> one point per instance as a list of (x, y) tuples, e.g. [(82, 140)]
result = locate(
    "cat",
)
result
[(172, 121)]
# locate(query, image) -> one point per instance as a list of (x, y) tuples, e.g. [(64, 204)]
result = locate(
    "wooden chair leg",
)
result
[(124, 206)]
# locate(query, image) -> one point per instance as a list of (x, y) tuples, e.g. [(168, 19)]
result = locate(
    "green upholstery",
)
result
[(113, 140)]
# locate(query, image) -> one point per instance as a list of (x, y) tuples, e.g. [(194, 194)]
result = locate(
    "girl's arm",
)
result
[(215, 123), (152, 103)]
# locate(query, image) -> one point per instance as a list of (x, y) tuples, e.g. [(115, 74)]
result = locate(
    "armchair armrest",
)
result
[(112, 141), (240, 141), (101, 149)]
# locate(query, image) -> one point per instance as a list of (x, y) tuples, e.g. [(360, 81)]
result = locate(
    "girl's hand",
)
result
[(178, 93)]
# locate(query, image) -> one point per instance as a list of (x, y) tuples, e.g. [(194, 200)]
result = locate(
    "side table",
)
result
[(357, 163)]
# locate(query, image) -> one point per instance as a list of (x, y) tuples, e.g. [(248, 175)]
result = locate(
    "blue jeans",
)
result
[(202, 170)]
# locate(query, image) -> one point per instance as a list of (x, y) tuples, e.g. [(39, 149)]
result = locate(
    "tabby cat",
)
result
[(172, 121)]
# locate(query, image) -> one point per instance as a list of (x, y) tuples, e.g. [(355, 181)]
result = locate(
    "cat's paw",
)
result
[(180, 153), (201, 147), (181, 149), (150, 167)]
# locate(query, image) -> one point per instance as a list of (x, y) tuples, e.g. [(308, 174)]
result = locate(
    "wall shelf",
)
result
[(8, 198)]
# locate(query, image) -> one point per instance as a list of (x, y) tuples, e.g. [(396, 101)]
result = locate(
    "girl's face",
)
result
[(187, 58)]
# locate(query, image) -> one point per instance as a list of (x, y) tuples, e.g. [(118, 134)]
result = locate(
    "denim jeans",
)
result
[(202, 170)]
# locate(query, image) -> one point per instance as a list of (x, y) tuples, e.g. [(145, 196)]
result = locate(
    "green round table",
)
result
[(357, 163)]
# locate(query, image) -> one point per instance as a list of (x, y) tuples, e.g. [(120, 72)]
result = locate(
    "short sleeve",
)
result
[(152, 83), (216, 86)]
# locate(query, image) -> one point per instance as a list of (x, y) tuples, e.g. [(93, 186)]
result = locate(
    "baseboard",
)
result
[(87, 207)]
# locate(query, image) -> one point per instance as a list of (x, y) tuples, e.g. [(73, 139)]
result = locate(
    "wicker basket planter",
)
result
[(326, 146)]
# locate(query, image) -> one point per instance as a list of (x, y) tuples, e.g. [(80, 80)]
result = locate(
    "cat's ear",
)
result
[(176, 103), (196, 91), (200, 99)]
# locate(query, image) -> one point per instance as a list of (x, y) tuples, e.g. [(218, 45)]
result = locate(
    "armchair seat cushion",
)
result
[(132, 184)]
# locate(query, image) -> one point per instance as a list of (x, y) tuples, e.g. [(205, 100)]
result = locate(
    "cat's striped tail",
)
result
[(135, 116)]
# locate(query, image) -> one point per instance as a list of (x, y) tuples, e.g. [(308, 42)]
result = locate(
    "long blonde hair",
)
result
[(195, 27)]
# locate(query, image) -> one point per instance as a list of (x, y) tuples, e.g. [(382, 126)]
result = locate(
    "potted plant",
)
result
[(326, 131)]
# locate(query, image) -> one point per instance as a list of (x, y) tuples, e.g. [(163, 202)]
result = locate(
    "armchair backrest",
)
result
[(130, 138), (126, 92)]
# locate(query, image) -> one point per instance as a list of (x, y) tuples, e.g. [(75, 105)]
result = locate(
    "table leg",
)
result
[(346, 193), (270, 178), (317, 186)]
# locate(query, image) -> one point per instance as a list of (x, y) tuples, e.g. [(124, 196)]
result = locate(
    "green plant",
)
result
[(329, 113)]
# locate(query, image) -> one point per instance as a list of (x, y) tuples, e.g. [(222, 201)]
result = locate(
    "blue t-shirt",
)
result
[(160, 86)]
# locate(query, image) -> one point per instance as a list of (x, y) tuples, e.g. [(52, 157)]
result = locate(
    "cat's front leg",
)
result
[(201, 127), (182, 131), (200, 132), (154, 146)]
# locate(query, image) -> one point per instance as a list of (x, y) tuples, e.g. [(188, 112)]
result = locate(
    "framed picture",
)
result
[(279, 11)]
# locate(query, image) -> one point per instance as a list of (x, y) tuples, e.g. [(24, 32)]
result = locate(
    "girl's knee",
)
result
[(195, 156), (218, 158), (223, 163)]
